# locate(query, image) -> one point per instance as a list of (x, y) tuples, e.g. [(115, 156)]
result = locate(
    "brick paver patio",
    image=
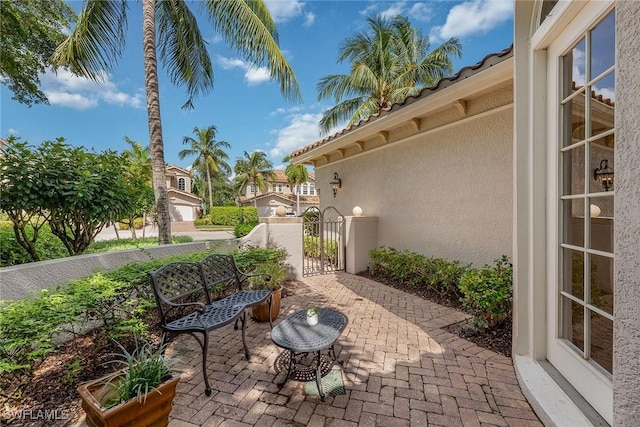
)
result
[(400, 369)]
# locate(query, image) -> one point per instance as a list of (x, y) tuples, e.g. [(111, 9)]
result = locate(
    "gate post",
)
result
[(286, 232), (361, 236)]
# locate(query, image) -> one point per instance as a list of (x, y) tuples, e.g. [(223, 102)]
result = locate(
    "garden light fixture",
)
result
[(604, 175), (336, 183)]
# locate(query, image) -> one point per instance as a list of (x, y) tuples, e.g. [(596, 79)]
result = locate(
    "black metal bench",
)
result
[(183, 294)]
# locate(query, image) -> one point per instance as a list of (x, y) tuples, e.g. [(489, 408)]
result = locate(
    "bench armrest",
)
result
[(201, 307)]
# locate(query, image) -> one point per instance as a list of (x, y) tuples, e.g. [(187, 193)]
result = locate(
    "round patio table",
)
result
[(297, 338)]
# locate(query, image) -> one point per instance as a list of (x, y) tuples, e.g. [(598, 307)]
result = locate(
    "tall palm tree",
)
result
[(296, 175), (210, 154), (388, 63), (254, 168), (98, 39)]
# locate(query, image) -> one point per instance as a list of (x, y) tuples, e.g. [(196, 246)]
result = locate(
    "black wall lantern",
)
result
[(604, 175), (336, 183)]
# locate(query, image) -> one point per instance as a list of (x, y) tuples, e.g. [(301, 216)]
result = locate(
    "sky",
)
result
[(247, 108)]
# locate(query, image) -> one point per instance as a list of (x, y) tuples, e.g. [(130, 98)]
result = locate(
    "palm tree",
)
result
[(296, 175), (210, 154), (388, 63), (98, 39), (254, 168)]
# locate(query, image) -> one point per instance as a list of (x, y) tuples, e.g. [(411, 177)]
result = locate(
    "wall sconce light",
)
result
[(604, 175), (336, 183)]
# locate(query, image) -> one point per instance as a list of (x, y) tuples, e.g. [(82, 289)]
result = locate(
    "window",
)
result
[(253, 189), (587, 144), (278, 188), (182, 184)]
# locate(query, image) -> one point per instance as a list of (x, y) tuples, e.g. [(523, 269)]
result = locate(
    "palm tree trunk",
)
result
[(209, 181), (155, 124)]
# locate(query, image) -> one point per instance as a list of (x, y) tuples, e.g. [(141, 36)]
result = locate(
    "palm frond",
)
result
[(247, 27), (183, 50), (97, 41), (339, 114)]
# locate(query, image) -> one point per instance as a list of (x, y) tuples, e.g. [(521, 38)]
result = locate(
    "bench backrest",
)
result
[(221, 276), (178, 282)]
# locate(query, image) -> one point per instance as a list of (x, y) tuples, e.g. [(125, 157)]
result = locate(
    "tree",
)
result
[(139, 186), (76, 191), (254, 168), (296, 175), (30, 30), (210, 154), (388, 63), (97, 42)]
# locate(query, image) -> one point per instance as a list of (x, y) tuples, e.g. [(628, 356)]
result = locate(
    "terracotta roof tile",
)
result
[(468, 71)]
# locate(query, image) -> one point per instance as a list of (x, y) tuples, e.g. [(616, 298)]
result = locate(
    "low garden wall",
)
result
[(18, 281)]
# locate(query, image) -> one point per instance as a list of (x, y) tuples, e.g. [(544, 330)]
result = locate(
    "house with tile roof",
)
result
[(533, 152), (183, 204), (280, 193)]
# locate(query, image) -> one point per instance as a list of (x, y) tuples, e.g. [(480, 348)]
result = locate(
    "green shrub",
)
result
[(123, 244), (48, 245), (119, 299), (487, 292), (311, 247), (232, 215), (202, 221), (241, 230), (278, 274), (414, 269), (137, 224)]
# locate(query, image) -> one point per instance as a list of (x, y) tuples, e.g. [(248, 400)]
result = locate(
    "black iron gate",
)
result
[(323, 241)]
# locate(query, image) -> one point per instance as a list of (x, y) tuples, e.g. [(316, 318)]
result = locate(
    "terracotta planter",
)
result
[(153, 412), (261, 311)]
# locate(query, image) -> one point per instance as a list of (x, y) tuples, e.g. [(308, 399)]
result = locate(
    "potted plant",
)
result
[(140, 394), (278, 276), (312, 315)]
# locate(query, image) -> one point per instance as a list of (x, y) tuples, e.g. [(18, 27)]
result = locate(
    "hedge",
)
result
[(232, 215)]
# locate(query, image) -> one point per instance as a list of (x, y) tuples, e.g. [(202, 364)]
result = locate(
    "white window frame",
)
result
[(557, 34)]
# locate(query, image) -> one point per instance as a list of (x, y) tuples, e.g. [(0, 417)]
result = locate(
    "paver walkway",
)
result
[(400, 369)]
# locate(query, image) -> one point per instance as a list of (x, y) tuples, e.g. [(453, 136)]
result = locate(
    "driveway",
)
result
[(110, 234)]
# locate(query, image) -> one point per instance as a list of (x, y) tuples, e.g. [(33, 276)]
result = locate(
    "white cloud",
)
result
[(12, 131), (309, 19), (283, 11), (253, 75), (476, 16), (420, 12), (66, 89), (71, 100), (301, 130), (393, 10)]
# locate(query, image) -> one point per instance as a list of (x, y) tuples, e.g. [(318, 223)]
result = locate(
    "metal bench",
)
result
[(182, 293)]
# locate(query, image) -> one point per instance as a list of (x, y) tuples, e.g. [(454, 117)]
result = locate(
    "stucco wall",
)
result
[(447, 194), (626, 374), (18, 281)]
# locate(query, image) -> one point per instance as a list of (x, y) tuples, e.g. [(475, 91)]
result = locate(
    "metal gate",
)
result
[(323, 241)]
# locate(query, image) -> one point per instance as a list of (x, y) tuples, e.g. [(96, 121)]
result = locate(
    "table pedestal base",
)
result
[(290, 363)]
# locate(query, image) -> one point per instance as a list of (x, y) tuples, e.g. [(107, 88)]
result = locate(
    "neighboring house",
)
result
[(183, 205), (507, 157), (280, 193)]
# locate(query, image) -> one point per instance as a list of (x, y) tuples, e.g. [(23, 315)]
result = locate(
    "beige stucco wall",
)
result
[(626, 374), (447, 194)]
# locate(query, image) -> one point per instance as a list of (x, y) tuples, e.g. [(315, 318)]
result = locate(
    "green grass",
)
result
[(214, 227), (118, 245)]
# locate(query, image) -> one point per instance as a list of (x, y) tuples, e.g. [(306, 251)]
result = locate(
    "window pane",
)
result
[(602, 108), (573, 272), (602, 283), (603, 45), (602, 149), (573, 123), (602, 228), (573, 168), (573, 211), (602, 341), (574, 69), (573, 322)]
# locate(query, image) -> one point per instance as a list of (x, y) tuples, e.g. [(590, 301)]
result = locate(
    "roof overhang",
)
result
[(447, 94)]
